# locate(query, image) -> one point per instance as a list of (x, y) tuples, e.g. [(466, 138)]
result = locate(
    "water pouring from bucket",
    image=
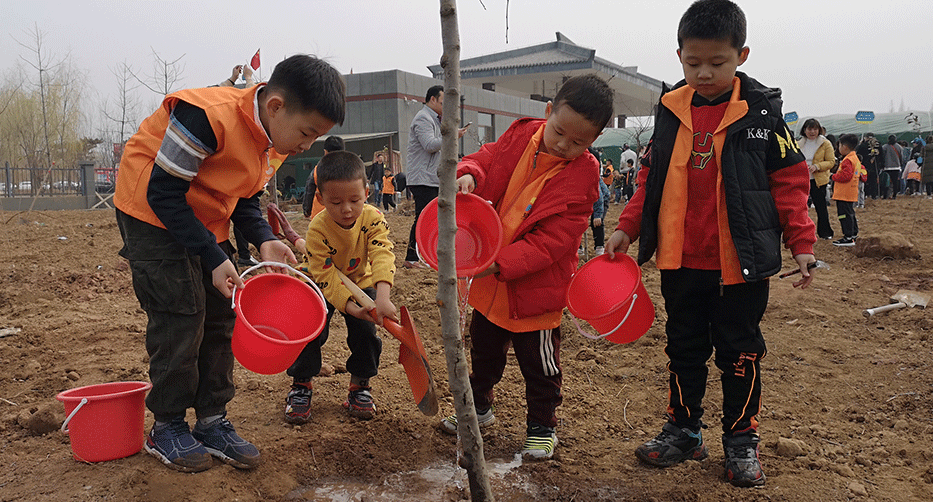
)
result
[(610, 296), (476, 246)]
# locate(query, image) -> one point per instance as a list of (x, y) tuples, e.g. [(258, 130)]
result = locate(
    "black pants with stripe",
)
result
[(701, 317), (538, 355)]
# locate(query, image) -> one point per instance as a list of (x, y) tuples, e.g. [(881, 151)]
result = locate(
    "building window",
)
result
[(484, 128)]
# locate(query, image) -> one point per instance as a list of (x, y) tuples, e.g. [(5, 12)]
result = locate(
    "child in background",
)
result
[(599, 211), (198, 163), (845, 192), (388, 190), (912, 174), (722, 180), (352, 237), (309, 203), (543, 183)]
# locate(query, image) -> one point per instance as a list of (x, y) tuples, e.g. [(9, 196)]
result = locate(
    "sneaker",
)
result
[(247, 262), (298, 403), (173, 444), (672, 446), (540, 442), (599, 250), (485, 419), (743, 467), (222, 441), (360, 403), (845, 241)]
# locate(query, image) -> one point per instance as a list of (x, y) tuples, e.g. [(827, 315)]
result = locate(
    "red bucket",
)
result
[(610, 296), (105, 421), (478, 239), (276, 316)]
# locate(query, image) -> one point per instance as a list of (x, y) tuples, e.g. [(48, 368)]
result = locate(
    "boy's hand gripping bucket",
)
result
[(610, 296), (276, 316), (478, 240), (105, 421)]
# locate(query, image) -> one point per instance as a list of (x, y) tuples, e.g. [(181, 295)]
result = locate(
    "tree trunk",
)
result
[(471, 440)]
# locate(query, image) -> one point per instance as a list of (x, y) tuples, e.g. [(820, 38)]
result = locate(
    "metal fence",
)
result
[(29, 182)]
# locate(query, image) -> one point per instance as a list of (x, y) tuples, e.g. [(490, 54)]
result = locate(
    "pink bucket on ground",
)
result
[(276, 316), (105, 421), (610, 296), (478, 239)]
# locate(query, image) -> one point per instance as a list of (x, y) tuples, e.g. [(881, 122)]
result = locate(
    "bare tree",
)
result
[(471, 440), (42, 63), (120, 113), (165, 74)]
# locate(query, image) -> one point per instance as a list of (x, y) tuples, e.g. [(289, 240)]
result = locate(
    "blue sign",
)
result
[(791, 118), (865, 117)]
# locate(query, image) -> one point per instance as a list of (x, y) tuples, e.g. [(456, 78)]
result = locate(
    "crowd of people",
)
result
[(709, 201)]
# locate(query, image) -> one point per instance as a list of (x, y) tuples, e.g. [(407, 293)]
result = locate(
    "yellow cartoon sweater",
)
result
[(363, 253)]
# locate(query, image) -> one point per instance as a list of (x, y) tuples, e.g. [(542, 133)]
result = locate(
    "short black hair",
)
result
[(589, 96), (713, 20), (340, 166), (311, 83), (849, 140), (433, 92), (808, 124), (892, 139), (334, 144)]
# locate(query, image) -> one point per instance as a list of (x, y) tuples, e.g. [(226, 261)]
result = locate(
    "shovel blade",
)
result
[(420, 379), (911, 298)]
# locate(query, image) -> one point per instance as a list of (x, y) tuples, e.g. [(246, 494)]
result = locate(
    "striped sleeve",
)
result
[(182, 152)]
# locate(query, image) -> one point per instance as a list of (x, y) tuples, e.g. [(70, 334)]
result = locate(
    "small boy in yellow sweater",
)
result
[(352, 237)]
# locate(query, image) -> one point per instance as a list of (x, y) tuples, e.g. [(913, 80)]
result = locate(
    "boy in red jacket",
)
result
[(543, 183)]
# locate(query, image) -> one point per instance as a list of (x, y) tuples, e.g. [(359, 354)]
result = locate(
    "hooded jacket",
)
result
[(764, 180), (539, 261)]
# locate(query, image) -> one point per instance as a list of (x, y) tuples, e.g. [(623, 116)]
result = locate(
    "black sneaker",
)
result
[(743, 468), (845, 241), (173, 444), (221, 441), (360, 403), (672, 446), (540, 442), (298, 403)]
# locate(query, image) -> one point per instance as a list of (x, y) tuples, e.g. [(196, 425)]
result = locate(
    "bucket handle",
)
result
[(597, 337), (72, 414), (280, 265)]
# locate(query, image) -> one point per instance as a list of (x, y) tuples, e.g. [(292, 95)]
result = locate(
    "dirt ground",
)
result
[(847, 408)]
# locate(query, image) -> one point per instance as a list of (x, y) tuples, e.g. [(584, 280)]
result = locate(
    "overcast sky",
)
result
[(828, 56)]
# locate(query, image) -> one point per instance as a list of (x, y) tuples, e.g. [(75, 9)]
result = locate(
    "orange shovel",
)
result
[(411, 352)]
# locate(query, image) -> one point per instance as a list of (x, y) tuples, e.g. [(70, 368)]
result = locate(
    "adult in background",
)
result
[(820, 159), (424, 151), (377, 169), (869, 154), (926, 170), (627, 154), (892, 153)]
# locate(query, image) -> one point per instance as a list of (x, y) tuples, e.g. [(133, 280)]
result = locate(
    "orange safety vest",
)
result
[(240, 167)]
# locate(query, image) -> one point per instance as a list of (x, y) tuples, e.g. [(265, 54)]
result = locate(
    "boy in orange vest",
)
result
[(722, 182), (543, 183), (196, 164), (352, 237), (388, 190), (845, 189)]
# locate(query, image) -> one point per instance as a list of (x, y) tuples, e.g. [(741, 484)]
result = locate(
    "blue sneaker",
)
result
[(221, 441), (173, 444)]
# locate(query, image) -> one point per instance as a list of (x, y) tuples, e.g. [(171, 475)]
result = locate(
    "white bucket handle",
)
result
[(280, 265), (72, 414), (598, 337)]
